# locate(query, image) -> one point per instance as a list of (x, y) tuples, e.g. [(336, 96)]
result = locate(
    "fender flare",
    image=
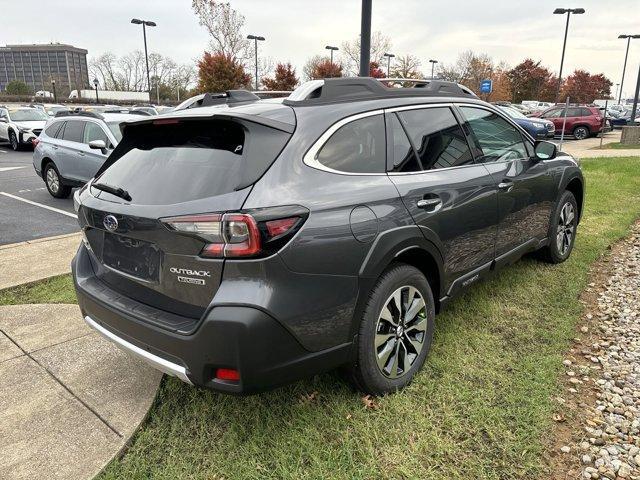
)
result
[(394, 242)]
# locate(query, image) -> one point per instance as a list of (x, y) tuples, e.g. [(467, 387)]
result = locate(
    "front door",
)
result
[(525, 186), (450, 197)]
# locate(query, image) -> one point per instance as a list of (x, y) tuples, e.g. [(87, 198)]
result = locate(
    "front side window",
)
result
[(357, 147), (497, 139), (93, 131), (436, 137), (555, 113), (73, 132)]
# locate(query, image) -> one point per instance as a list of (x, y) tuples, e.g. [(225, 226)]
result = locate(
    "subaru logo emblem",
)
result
[(110, 223)]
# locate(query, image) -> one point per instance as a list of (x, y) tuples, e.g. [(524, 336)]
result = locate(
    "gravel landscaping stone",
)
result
[(611, 446)]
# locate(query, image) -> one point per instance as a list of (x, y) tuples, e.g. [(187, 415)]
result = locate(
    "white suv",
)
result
[(20, 125)]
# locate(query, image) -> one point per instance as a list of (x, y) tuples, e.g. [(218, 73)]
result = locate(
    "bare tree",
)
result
[(380, 44), (225, 25), (406, 66)]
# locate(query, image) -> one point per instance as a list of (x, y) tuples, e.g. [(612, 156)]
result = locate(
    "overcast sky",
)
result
[(508, 30)]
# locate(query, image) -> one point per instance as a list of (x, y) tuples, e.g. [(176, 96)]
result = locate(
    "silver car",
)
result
[(72, 148)]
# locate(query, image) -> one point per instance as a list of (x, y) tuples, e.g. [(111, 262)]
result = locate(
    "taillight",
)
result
[(233, 235), (35, 142)]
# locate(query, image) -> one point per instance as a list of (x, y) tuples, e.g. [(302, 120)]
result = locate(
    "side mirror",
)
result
[(98, 145), (3, 120), (545, 150)]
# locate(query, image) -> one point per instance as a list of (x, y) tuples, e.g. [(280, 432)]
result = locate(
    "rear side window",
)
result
[(167, 163), (73, 132), (436, 137), (585, 112), (357, 147), (53, 130), (574, 112)]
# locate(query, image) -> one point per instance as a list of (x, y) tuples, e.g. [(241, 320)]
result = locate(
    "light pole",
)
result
[(624, 68), (365, 38), (617, 85), (255, 39), (389, 57), (95, 84), (53, 85), (145, 24), (562, 11), (433, 64), (332, 49), (634, 109)]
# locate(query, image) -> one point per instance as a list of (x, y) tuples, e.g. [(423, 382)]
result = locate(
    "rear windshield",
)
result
[(165, 163)]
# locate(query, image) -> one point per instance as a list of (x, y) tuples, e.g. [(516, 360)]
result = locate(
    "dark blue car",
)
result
[(536, 127)]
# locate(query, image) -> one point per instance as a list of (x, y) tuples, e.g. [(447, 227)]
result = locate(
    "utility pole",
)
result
[(624, 68), (365, 38), (562, 11), (145, 24), (255, 39)]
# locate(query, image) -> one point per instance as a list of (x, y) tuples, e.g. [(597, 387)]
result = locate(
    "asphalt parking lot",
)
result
[(27, 211)]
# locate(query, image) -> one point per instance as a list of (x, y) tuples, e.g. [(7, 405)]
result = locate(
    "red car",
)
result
[(582, 122)]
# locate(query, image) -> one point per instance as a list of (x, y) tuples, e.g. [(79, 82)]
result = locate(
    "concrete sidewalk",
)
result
[(34, 260), (588, 148), (69, 400)]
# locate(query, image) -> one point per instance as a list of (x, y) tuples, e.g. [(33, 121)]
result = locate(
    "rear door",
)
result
[(449, 196), (67, 159), (194, 168), (526, 187)]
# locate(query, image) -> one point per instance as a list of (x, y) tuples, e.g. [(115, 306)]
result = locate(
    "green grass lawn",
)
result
[(617, 146), (481, 407)]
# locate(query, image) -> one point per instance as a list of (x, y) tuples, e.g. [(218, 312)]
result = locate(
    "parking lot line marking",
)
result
[(53, 209), (6, 169)]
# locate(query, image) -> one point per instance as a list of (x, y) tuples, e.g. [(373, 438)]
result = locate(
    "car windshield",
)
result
[(27, 115), (512, 112), (115, 129)]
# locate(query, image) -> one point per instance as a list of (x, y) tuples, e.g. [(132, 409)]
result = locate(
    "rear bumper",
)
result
[(230, 336)]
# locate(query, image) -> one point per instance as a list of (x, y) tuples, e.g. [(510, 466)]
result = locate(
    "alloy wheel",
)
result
[(566, 227), (400, 332), (53, 182), (580, 133)]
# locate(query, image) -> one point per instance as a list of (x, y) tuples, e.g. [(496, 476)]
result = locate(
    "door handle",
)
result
[(429, 203), (505, 186), (81, 154), (55, 148)]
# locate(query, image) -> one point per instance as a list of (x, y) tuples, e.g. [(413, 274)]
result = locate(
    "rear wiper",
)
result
[(117, 191)]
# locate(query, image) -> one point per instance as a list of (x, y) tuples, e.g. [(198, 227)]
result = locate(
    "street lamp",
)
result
[(562, 11), (95, 83), (624, 68), (433, 64), (255, 39), (332, 49), (389, 57), (53, 85), (145, 24)]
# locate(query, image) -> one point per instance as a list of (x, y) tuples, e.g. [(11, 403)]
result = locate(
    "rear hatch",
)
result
[(168, 169)]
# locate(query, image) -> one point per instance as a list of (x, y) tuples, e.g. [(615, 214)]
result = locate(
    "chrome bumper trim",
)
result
[(156, 362)]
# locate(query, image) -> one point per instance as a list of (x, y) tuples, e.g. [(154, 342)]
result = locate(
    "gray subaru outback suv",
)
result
[(247, 245)]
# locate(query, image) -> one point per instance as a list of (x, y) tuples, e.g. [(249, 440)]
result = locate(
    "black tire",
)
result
[(52, 181), (13, 141), (556, 251), (581, 132), (365, 372)]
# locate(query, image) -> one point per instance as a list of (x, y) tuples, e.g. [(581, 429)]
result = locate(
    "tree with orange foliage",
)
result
[(583, 87), (375, 71), (319, 67), (284, 79), (219, 72)]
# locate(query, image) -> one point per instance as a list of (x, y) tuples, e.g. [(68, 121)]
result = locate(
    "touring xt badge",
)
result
[(180, 272)]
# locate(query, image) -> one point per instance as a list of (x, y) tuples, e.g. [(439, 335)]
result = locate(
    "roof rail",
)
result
[(80, 113), (334, 90)]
